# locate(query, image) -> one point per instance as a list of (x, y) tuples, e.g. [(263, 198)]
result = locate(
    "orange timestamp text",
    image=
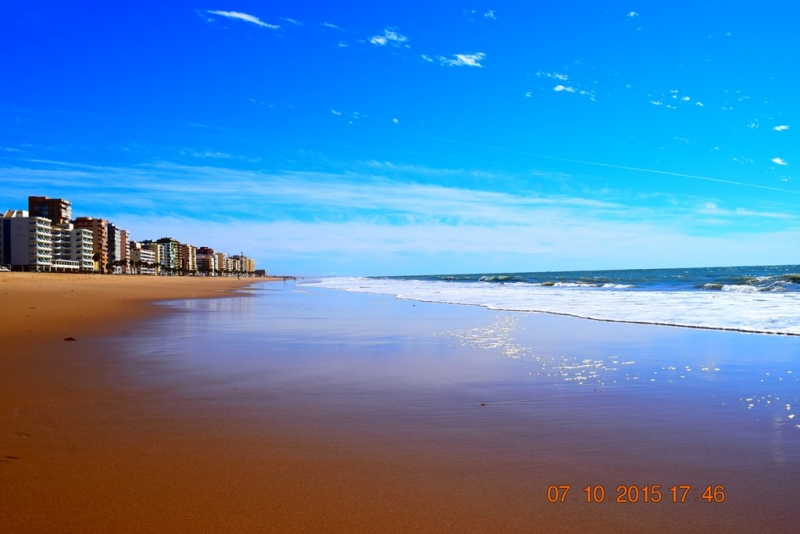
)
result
[(677, 493)]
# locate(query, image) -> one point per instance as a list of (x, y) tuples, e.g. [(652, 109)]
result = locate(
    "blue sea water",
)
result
[(761, 299), (766, 278)]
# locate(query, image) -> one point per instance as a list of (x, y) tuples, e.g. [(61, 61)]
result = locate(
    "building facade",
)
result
[(171, 256), (26, 242), (206, 261), (189, 259), (58, 210), (143, 260), (99, 229), (72, 248)]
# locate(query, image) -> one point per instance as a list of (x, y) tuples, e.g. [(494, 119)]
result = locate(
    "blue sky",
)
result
[(414, 137)]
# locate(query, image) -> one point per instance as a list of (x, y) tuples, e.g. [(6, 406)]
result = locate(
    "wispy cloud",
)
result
[(332, 26), (570, 89), (427, 58), (781, 128), (245, 17), (389, 37), (463, 60), (778, 161), (555, 75), (365, 223), (490, 14), (711, 208), (336, 112), (632, 14), (292, 21), (396, 121)]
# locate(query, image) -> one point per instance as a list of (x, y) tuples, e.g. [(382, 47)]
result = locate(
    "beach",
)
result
[(281, 407)]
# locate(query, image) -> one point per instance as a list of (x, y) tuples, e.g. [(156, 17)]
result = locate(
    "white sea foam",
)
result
[(750, 311)]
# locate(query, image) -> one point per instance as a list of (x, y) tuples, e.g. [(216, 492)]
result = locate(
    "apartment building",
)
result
[(171, 258), (58, 210), (72, 248), (207, 261), (221, 262), (25, 241), (99, 229), (143, 260), (158, 253), (188, 258)]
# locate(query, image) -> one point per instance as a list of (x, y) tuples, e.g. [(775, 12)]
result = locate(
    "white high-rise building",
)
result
[(26, 242), (72, 248)]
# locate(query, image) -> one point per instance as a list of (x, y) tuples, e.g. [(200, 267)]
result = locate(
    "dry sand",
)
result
[(83, 448)]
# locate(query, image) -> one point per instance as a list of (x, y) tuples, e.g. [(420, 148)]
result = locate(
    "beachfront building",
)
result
[(99, 229), (241, 264), (220, 262), (118, 249), (143, 260), (158, 253), (188, 259), (25, 241), (171, 257), (72, 248), (58, 210), (206, 261), (124, 239)]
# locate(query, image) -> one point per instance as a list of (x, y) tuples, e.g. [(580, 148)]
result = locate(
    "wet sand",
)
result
[(341, 413)]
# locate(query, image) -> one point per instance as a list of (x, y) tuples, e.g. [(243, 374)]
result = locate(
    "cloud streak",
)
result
[(389, 37), (368, 223), (245, 17), (463, 60)]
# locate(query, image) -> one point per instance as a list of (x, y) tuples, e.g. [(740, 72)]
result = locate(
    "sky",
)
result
[(408, 137)]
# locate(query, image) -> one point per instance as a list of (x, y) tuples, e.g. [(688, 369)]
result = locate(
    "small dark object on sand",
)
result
[(69, 339)]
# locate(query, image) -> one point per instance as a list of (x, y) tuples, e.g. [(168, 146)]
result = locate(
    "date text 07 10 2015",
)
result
[(678, 493)]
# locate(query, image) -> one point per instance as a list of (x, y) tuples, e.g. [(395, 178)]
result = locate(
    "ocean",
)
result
[(757, 299)]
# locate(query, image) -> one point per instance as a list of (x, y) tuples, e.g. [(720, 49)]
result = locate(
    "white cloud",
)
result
[(365, 224), (781, 128), (656, 103), (390, 37), (292, 21), (490, 15), (343, 45), (686, 99), (632, 14), (427, 58), (332, 26), (528, 94), (699, 104), (555, 75), (559, 88), (245, 17), (336, 112), (778, 161), (711, 208), (395, 121), (463, 60)]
